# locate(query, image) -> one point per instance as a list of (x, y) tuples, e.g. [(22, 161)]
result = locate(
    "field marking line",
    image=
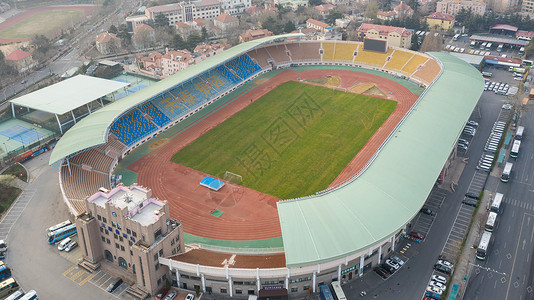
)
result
[(69, 270), (86, 279)]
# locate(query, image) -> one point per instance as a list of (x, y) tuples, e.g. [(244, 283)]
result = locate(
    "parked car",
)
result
[(437, 284), (471, 195), (463, 142), (470, 202), (442, 269), (71, 246), (434, 289), (472, 123), (462, 147), (427, 211), (171, 296), (397, 260), (416, 234), (114, 285), (507, 106), (382, 272), (63, 244), (395, 265), (433, 295), (189, 297), (439, 279), (445, 263), (161, 294), (388, 268)]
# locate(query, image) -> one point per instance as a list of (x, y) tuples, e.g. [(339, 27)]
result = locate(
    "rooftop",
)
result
[(440, 16), (165, 8), (17, 55), (317, 23), (141, 207), (504, 27), (383, 29), (68, 94)]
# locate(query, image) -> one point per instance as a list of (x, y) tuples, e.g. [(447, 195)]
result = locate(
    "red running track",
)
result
[(247, 214)]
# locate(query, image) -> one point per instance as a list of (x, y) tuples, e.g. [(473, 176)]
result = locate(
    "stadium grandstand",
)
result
[(317, 247)]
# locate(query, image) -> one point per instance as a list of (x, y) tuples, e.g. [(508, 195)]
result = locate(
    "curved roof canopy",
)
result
[(394, 187), (93, 129)]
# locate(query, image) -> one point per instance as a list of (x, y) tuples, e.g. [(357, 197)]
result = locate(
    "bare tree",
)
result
[(432, 42)]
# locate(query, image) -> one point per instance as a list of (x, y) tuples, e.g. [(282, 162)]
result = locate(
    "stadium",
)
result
[(244, 241)]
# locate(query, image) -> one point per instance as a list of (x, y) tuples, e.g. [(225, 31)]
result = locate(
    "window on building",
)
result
[(103, 239), (159, 281), (107, 232), (130, 243), (157, 234), (122, 248), (239, 291), (102, 230), (157, 267), (173, 251), (104, 220), (108, 241), (113, 224), (119, 226), (128, 231), (172, 242), (306, 287), (134, 233), (99, 217), (161, 252), (223, 291), (116, 245), (156, 257), (115, 236), (131, 252), (121, 239)]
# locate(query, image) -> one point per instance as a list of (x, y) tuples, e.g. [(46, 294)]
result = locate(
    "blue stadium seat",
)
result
[(157, 116), (132, 127), (243, 66), (171, 107)]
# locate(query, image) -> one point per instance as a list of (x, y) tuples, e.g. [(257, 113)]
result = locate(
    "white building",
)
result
[(235, 7), (186, 11)]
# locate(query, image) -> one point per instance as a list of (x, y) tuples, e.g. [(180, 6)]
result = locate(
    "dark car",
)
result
[(470, 202), (472, 195), (113, 286), (432, 295), (388, 268), (381, 272), (427, 211), (442, 269), (416, 234)]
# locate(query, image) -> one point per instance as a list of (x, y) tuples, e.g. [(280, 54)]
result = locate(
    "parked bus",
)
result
[(519, 132), (490, 223), (482, 248), (31, 295), (496, 204), (338, 291), (522, 51), (515, 149), (488, 46), (506, 172), (58, 226), (8, 286), (499, 48), (58, 235), (473, 44), (326, 294), (15, 296), (5, 272), (483, 46), (456, 37)]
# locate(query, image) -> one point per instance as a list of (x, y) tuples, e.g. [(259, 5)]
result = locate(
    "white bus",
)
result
[(506, 172), (473, 44), (338, 291), (488, 46), (31, 295), (483, 46), (490, 223), (499, 48), (515, 149), (57, 226), (521, 50), (496, 204), (519, 132), (482, 248), (455, 37)]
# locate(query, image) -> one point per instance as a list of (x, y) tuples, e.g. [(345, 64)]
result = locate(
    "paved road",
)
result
[(35, 264), (507, 271)]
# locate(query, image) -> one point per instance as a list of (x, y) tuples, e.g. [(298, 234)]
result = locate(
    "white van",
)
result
[(63, 244)]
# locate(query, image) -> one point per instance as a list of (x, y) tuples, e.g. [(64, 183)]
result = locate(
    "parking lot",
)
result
[(423, 222), (99, 278)]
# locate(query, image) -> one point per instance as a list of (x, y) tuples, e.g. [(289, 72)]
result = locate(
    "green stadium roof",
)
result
[(93, 129), (391, 191)]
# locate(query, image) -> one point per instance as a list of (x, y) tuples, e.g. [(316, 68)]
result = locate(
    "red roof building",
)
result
[(321, 26), (440, 20), (20, 60), (250, 35), (396, 36)]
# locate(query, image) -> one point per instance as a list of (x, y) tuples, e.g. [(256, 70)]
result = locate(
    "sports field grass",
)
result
[(292, 142), (45, 23)]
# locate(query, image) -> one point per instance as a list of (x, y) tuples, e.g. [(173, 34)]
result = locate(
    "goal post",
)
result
[(233, 177)]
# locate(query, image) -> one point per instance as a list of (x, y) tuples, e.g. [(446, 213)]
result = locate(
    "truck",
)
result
[(517, 70)]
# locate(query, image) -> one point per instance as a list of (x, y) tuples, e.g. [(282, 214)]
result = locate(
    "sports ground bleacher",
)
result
[(171, 107), (132, 127), (428, 71), (398, 59), (278, 53), (157, 116), (217, 80), (345, 51), (304, 51), (328, 50), (372, 58), (227, 74), (261, 56), (243, 66), (413, 63)]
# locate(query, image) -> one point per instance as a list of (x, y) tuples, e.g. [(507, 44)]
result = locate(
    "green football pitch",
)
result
[(292, 142)]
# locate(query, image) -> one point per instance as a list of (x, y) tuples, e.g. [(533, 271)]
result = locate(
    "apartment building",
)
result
[(452, 7), (395, 36), (186, 11)]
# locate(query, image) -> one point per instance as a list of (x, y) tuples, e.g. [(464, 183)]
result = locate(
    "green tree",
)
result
[(332, 16), (204, 34), (124, 35), (178, 42), (113, 29), (161, 20), (289, 27), (315, 2), (192, 41)]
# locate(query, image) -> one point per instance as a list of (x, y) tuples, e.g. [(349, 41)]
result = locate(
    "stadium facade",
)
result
[(337, 234)]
